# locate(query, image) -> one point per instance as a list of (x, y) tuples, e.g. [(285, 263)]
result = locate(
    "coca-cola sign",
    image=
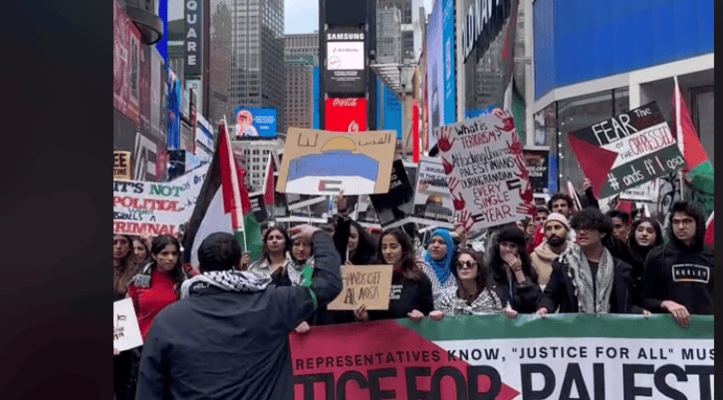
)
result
[(346, 115), (351, 102)]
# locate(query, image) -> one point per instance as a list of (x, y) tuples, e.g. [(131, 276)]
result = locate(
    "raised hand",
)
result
[(448, 166), (453, 183), (443, 141), (459, 203)]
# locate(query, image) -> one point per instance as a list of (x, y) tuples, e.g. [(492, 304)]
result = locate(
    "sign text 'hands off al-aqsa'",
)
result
[(488, 180)]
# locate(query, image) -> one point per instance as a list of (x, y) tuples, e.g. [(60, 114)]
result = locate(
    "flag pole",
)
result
[(234, 185), (679, 133)]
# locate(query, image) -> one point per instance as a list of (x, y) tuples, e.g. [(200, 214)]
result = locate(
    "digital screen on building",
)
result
[(256, 122), (345, 61), (442, 97)]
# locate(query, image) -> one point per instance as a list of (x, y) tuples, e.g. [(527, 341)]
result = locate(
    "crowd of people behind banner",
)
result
[(564, 260)]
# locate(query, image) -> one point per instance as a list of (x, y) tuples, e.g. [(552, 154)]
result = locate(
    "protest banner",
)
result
[(121, 164), (320, 162), (155, 208), (645, 192), (396, 204), (432, 200), (126, 332), (565, 356), (627, 150), (537, 164), (364, 284), (486, 172)]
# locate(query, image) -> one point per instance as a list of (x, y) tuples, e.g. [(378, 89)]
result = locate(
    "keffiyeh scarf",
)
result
[(229, 280), (579, 272), (298, 271)]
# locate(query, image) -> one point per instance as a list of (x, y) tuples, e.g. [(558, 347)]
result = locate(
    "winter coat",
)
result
[(682, 275), (542, 258), (228, 344), (560, 289), (523, 298)]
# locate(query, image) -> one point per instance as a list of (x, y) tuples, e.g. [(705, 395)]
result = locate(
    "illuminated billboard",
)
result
[(256, 122)]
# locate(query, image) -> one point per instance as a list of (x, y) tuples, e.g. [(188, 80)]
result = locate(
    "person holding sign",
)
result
[(228, 336), (123, 270), (586, 278), (679, 275), (512, 273), (438, 261), (474, 294), (411, 292)]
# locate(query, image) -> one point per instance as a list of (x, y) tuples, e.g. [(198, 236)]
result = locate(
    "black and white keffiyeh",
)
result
[(230, 280), (294, 269), (581, 275)]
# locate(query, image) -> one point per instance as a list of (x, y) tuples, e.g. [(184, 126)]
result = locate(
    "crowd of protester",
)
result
[(567, 259)]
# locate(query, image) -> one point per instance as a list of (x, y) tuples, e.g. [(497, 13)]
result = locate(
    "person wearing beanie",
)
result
[(586, 278), (513, 275), (556, 229)]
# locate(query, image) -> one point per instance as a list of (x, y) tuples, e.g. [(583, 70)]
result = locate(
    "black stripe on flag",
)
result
[(513, 184)]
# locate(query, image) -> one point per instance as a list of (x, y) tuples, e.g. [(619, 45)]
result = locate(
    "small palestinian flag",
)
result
[(223, 205)]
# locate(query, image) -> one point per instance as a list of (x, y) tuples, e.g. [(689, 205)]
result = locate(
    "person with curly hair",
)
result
[(586, 278)]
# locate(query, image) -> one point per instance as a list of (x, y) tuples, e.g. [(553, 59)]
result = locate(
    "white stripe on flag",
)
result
[(214, 221)]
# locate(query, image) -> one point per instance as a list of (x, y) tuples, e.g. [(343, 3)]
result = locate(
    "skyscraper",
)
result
[(257, 63), (302, 56), (389, 35)]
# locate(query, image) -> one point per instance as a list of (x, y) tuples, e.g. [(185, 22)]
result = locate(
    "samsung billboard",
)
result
[(345, 61)]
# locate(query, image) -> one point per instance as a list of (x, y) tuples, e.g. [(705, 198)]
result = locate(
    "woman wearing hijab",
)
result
[(512, 273), (438, 262)]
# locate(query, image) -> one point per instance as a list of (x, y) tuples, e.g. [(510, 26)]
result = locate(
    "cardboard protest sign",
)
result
[(627, 150), (396, 204), (364, 284), (121, 164), (486, 172), (536, 162), (432, 200), (258, 207), (320, 162), (126, 332), (155, 208)]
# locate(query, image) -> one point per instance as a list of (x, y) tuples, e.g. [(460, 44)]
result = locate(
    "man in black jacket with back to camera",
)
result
[(678, 276), (228, 336)]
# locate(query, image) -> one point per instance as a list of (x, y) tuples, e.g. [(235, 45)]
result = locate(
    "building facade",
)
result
[(256, 155), (302, 57), (587, 68), (389, 35), (257, 62)]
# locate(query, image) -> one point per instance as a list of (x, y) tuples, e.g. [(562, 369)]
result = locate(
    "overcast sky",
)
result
[(302, 16)]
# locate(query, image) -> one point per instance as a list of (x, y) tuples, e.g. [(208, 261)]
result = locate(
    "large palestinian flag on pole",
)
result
[(223, 205), (565, 356), (699, 189)]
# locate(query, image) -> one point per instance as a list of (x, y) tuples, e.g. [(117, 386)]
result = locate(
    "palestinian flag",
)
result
[(697, 165), (223, 205)]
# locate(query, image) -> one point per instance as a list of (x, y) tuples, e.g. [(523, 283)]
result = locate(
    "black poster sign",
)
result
[(396, 204), (537, 163)]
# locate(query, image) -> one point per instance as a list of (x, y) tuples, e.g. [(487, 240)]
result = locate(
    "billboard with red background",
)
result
[(346, 115)]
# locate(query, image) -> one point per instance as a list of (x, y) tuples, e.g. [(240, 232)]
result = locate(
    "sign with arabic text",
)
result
[(320, 162)]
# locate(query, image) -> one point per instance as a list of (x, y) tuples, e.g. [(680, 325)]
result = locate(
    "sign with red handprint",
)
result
[(488, 180)]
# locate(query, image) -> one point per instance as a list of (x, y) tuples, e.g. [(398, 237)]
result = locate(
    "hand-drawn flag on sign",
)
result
[(626, 151), (223, 205)]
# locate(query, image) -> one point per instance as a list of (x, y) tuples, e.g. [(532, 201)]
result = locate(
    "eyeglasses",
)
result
[(468, 264), (684, 222)]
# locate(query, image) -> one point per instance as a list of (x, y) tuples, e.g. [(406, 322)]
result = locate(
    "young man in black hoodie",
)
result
[(678, 276), (586, 278), (228, 336)]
